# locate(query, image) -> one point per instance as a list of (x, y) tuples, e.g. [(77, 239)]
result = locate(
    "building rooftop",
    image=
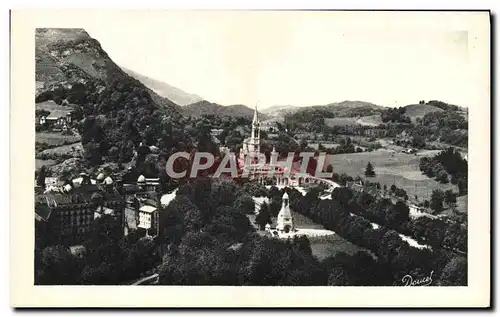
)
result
[(148, 209), (56, 114)]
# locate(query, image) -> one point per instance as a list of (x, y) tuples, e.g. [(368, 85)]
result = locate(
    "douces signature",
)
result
[(408, 280)]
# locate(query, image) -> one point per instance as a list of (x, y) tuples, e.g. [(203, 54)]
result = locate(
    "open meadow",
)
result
[(397, 168), (55, 139), (373, 120)]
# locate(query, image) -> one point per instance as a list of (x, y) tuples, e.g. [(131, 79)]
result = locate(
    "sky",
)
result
[(294, 57)]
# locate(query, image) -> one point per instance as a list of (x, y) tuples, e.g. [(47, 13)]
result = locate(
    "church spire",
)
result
[(255, 115)]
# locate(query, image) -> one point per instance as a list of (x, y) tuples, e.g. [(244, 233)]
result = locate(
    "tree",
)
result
[(245, 204), (264, 216), (442, 177), (418, 142), (40, 180), (398, 214), (55, 267), (369, 171), (393, 188), (338, 277), (455, 272), (450, 197), (462, 187), (437, 199), (329, 168)]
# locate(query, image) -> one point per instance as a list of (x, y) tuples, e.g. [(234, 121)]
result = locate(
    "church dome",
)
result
[(141, 179), (108, 181), (100, 177)]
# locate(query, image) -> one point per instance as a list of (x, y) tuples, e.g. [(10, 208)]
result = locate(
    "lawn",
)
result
[(331, 122), (40, 163), (50, 105), (74, 149), (399, 169), (55, 139), (374, 120), (321, 247)]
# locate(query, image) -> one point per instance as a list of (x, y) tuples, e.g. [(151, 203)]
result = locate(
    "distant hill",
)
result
[(349, 108), (278, 113), (345, 109), (204, 107), (420, 110), (165, 90)]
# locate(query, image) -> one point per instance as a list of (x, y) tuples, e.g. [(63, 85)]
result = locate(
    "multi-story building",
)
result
[(143, 205), (65, 216)]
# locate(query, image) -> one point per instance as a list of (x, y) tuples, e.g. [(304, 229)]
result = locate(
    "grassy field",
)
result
[(39, 163), (331, 122), (399, 169), (321, 247), (50, 105), (374, 120), (418, 111), (73, 149), (55, 139)]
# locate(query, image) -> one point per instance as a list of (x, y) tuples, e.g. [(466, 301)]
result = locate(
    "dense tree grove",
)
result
[(217, 245), (447, 166), (108, 259), (395, 115), (347, 215), (209, 240)]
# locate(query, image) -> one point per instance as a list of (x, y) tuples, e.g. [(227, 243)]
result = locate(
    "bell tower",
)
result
[(255, 137), (285, 220)]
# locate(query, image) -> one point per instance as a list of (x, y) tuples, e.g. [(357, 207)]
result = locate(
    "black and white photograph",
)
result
[(256, 148)]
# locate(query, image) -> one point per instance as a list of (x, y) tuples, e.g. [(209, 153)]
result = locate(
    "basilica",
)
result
[(250, 152)]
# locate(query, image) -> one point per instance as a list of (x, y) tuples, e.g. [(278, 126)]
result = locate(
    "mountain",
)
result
[(204, 107), (114, 112), (420, 110), (175, 94), (65, 57)]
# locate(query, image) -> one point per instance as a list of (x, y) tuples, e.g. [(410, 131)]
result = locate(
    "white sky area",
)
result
[(294, 57)]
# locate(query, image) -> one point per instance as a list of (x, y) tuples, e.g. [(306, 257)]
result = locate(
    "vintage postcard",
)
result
[(250, 158)]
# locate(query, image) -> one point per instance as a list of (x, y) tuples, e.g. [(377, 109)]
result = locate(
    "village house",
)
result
[(57, 119)]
